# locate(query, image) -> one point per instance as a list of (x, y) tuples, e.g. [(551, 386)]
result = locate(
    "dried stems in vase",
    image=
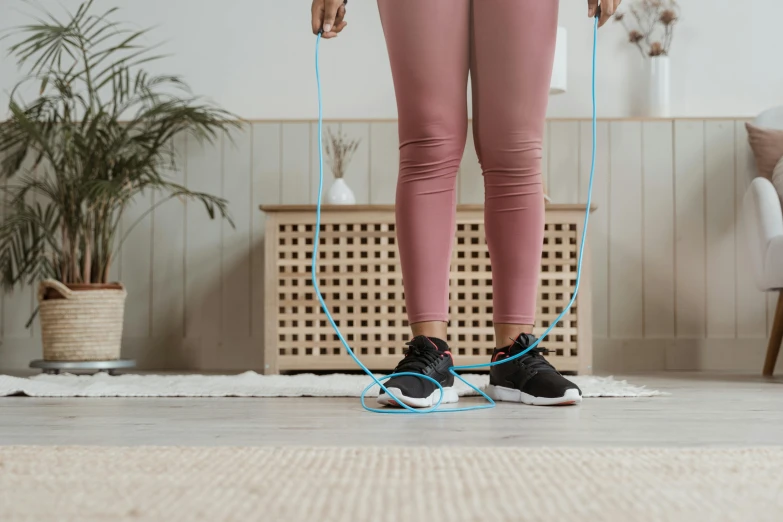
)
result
[(339, 151), (650, 25)]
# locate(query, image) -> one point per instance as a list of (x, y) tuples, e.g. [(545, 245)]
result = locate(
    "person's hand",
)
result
[(608, 9), (329, 16)]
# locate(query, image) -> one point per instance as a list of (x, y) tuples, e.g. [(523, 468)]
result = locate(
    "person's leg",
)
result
[(511, 67), (428, 43)]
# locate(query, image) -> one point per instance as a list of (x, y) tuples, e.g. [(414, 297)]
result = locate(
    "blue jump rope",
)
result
[(379, 381)]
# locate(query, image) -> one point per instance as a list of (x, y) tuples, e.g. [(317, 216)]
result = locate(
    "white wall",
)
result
[(256, 57)]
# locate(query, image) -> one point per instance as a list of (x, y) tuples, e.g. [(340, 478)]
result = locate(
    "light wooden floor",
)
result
[(702, 410)]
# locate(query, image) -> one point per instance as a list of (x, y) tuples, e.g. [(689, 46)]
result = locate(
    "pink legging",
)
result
[(508, 47)]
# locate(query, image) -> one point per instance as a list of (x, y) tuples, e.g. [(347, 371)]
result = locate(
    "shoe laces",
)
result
[(532, 360), (420, 357)]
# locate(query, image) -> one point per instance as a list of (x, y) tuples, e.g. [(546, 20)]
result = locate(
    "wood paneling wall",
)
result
[(672, 287)]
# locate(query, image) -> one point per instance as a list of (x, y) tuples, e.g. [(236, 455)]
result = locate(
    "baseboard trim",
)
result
[(157, 353), (609, 355), (634, 355)]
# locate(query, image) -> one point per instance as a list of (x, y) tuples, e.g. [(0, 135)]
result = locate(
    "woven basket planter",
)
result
[(81, 322)]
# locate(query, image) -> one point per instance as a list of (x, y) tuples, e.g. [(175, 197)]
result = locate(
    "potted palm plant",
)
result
[(96, 135)]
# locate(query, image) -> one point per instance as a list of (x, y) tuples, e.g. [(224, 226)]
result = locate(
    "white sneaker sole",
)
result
[(500, 393), (449, 396)]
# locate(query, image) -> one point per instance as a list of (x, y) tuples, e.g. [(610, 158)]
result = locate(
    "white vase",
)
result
[(340, 193), (659, 87)]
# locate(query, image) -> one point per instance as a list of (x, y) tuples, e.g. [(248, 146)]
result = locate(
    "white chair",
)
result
[(763, 220)]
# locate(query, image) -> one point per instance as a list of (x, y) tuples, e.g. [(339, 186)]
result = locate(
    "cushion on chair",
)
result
[(767, 145)]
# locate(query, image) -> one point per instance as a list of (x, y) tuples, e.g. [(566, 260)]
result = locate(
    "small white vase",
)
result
[(340, 193), (659, 87)]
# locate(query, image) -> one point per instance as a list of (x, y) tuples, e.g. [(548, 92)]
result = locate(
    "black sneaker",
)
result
[(529, 379), (428, 356)]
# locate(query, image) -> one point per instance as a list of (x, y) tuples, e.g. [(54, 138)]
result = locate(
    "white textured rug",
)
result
[(389, 484), (251, 384)]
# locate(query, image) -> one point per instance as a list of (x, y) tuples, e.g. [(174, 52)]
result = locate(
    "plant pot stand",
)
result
[(111, 367)]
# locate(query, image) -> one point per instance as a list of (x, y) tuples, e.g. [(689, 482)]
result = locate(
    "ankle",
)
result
[(506, 334), (432, 329)]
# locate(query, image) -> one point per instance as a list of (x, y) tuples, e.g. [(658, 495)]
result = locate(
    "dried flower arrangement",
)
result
[(654, 24), (339, 151)]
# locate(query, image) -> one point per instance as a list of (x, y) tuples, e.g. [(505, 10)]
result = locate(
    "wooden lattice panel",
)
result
[(360, 279), (471, 332)]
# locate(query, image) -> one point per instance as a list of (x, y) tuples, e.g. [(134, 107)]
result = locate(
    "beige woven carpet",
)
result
[(389, 484)]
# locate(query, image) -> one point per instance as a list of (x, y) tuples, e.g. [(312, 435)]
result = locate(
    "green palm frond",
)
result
[(98, 135), (27, 236)]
